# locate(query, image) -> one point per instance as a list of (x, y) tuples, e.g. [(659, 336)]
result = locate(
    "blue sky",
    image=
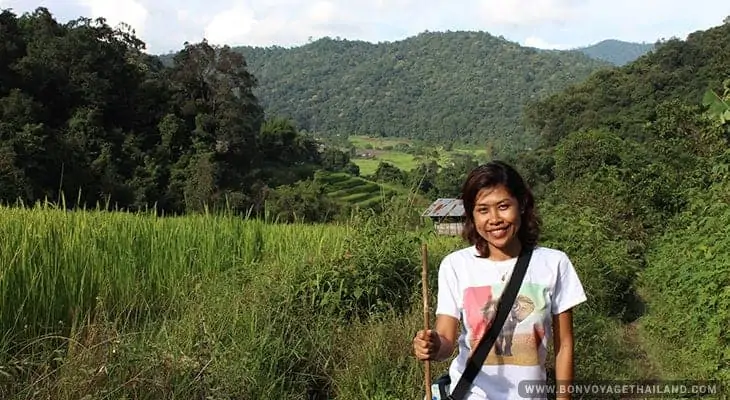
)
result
[(166, 24)]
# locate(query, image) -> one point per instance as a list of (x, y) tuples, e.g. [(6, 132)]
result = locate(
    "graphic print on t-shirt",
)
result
[(523, 330)]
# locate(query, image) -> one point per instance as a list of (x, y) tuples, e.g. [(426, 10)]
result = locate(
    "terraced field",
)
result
[(355, 190)]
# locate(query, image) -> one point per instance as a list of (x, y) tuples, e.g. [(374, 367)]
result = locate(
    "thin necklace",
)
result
[(504, 274)]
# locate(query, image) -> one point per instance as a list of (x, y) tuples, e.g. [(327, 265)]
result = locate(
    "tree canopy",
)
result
[(441, 87), (87, 114)]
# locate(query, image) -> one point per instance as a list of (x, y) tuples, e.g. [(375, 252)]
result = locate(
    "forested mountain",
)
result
[(463, 86), (617, 52), (436, 86), (625, 99)]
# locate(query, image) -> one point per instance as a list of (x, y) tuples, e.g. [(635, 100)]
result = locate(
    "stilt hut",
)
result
[(447, 215)]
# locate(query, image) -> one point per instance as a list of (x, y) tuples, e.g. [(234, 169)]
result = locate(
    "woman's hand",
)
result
[(426, 345)]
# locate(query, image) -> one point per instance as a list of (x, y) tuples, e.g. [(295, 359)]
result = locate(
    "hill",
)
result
[(616, 52), (455, 86), (625, 99)]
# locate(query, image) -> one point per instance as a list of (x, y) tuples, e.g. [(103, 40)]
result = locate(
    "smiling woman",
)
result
[(500, 223), (499, 208)]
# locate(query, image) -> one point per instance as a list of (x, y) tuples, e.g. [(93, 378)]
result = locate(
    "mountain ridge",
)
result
[(462, 86), (581, 48), (455, 86), (617, 52)]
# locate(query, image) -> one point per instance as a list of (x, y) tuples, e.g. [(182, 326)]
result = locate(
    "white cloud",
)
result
[(282, 22), (525, 13), (130, 12), (321, 12), (539, 43), (231, 25)]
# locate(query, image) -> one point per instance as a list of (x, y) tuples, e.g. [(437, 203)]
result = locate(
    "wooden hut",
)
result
[(447, 215)]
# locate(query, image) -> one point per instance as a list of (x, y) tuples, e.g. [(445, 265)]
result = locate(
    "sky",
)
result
[(165, 25)]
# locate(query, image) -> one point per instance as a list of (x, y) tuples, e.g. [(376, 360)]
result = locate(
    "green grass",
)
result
[(61, 262), (131, 306), (361, 142), (693, 259), (134, 306), (383, 151), (367, 166)]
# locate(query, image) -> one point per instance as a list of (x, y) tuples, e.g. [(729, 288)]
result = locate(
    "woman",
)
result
[(500, 219)]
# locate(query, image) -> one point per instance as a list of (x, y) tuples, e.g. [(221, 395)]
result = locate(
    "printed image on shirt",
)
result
[(523, 331)]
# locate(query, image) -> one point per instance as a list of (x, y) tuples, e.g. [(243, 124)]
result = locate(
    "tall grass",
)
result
[(132, 306), (56, 264), (174, 300)]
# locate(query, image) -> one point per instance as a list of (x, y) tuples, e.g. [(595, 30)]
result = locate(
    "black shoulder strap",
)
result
[(475, 362)]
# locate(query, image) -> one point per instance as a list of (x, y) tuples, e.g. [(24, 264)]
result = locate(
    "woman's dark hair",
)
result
[(493, 174)]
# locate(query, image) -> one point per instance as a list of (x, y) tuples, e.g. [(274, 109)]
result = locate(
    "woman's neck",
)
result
[(501, 254)]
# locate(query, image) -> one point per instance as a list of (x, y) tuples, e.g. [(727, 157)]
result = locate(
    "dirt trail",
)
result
[(648, 370), (632, 337)]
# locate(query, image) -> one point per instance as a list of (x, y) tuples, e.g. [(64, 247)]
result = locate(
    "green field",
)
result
[(140, 307), (385, 150), (354, 190)]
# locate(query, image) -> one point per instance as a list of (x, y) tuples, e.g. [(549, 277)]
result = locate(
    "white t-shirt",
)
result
[(466, 286)]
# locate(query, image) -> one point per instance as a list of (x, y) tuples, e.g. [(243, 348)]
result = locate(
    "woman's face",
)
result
[(497, 219)]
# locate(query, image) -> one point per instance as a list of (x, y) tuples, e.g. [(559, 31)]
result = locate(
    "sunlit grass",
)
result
[(119, 305)]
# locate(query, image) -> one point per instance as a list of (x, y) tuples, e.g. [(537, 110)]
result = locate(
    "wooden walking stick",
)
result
[(424, 284)]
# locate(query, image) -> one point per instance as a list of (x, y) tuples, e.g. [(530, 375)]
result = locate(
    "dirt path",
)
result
[(646, 369), (632, 337)]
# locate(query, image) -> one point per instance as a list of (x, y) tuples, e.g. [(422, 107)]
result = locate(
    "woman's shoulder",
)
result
[(461, 254), (544, 251), (550, 254)]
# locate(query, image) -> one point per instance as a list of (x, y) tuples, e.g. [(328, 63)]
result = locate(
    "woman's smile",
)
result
[(499, 233), (497, 219)]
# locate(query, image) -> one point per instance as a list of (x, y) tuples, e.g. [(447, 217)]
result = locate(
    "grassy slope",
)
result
[(693, 260)]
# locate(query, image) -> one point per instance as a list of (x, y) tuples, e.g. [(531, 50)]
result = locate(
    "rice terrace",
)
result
[(247, 223)]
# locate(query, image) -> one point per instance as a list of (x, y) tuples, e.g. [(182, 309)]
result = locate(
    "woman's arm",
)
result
[(447, 328), (437, 344), (563, 344)]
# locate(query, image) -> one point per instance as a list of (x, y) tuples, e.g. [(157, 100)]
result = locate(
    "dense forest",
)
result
[(87, 116), (626, 99), (437, 86), (441, 87)]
